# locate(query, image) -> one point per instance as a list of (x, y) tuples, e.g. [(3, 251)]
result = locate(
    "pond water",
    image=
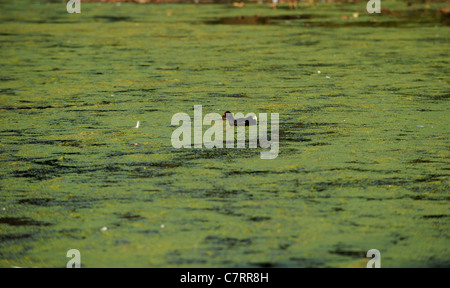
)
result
[(364, 126)]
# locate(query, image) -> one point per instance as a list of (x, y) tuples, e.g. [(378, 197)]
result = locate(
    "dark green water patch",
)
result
[(317, 64), (6, 78), (14, 237), (234, 95), (39, 174), (73, 202), (433, 177), (422, 161), (389, 18), (149, 232), (47, 20), (307, 43), (293, 137), (130, 216), (160, 164), (221, 194), (131, 90), (122, 153), (176, 258), (264, 264), (439, 97), (435, 216), (112, 18), (318, 144), (43, 202), (256, 20), (358, 183), (22, 221), (342, 250), (62, 45), (68, 143), (306, 262), (259, 219), (225, 154), (297, 262), (9, 133), (72, 233), (247, 173), (227, 242), (149, 173), (57, 170), (7, 91)]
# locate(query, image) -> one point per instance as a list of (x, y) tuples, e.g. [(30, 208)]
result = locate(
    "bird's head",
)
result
[(225, 114)]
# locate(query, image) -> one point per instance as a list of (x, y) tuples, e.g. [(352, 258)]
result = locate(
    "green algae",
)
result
[(364, 152)]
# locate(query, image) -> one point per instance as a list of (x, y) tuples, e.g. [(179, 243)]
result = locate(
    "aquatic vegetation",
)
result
[(363, 159)]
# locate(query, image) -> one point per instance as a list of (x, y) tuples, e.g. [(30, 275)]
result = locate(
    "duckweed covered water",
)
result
[(364, 147)]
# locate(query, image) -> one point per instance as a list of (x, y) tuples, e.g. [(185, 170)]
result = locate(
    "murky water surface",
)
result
[(364, 147)]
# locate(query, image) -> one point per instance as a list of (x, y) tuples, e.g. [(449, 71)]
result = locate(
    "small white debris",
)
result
[(3, 209), (162, 226), (318, 72), (328, 77), (420, 126), (104, 229), (138, 124)]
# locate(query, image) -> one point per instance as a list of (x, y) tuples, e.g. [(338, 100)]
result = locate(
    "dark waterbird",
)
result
[(248, 121)]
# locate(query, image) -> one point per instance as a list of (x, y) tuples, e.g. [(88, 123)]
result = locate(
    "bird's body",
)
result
[(247, 121)]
